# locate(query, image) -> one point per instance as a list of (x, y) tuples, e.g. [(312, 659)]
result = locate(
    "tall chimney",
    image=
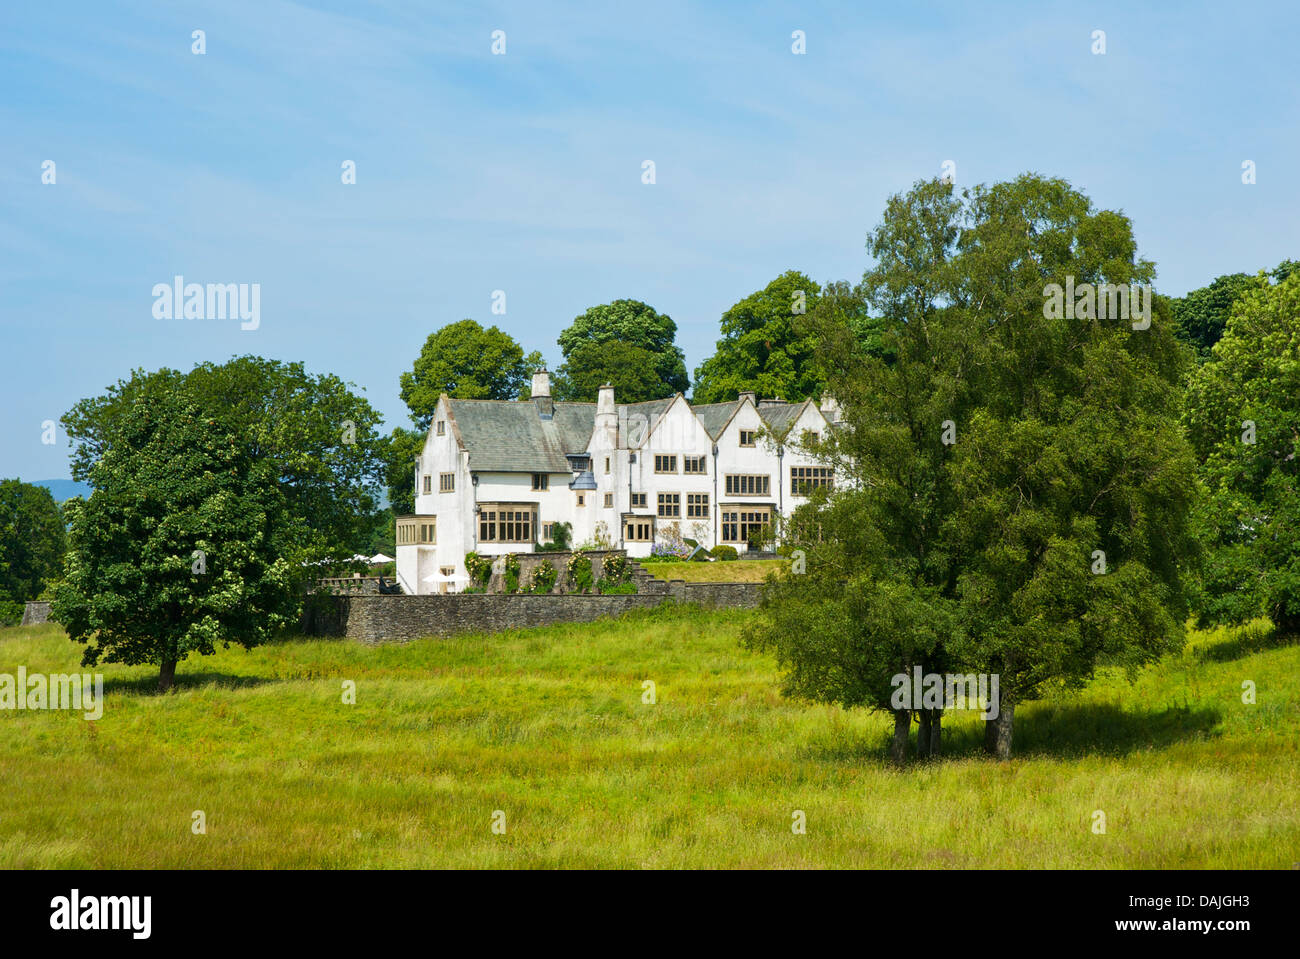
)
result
[(748, 395), (607, 415), (541, 394), (605, 401), (830, 408)]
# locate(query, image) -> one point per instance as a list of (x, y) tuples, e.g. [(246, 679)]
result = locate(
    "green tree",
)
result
[(767, 345), (1202, 314), (32, 542), (634, 324), (629, 369), (319, 437), (1020, 491), (467, 362), (1243, 418), (401, 447), (186, 542)]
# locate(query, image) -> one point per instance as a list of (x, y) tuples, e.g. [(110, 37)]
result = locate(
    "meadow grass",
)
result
[(729, 571), (549, 727)]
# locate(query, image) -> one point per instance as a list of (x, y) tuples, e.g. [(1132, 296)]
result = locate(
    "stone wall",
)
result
[(375, 619), (36, 612)]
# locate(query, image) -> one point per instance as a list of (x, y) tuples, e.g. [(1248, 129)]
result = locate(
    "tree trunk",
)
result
[(902, 725), (997, 732), (923, 733), (166, 675), (936, 734)]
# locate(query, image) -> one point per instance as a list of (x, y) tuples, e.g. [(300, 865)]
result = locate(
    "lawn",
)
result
[(722, 571), (549, 727)]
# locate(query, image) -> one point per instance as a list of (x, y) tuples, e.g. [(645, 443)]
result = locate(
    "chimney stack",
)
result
[(830, 408), (607, 415), (605, 400), (748, 395), (541, 394)]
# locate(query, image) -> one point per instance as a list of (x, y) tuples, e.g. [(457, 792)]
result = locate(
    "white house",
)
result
[(496, 475)]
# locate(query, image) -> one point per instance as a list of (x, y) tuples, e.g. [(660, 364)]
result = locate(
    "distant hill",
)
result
[(63, 489)]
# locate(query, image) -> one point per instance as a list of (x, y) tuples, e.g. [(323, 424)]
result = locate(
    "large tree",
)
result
[(1202, 314), (318, 436), (401, 447), (468, 362), (1243, 417), (633, 324), (767, 345), (629, 369), (32, 542), (186, 542), (1019, 488)]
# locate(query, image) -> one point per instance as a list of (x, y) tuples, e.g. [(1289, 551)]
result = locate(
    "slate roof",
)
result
[(508, 436), (779, 417), (714, 416)]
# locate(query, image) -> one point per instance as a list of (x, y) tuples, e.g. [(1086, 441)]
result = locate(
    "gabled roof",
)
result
[(509, 436), (714, 417), (779, 417)]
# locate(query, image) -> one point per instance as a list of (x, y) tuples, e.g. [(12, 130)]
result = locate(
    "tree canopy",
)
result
[(32, 543), (318, 436), (187, 540), (1019, 491), (632, 324), (629, 369), (1202, 314), (767, 345), (1243, 417), (468, 362)]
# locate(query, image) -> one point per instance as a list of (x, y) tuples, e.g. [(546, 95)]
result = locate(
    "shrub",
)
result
[(479, 568), (671, 543), (600, 538), (724, 552), (616, 589), (544, 577), (562, 535), (616, 569), (578, 573), (510, 578), (11, 612)]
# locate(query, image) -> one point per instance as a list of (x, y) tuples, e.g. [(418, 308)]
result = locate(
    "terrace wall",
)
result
[(375, 619)]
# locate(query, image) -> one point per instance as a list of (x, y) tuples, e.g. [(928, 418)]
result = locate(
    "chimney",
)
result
[(541, 394), (748, 395), (830, 408), (607, 415)]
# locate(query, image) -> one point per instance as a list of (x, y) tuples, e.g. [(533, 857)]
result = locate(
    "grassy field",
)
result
[(549, 727), (732, 571)]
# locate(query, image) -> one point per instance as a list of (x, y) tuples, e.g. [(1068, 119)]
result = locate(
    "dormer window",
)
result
[(747, 437), (442, 427)]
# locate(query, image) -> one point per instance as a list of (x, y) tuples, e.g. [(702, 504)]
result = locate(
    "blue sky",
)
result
[(522, 172)]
